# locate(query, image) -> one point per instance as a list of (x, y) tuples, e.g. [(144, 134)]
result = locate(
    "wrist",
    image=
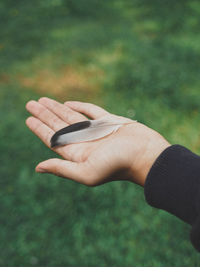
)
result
[(149, 149)]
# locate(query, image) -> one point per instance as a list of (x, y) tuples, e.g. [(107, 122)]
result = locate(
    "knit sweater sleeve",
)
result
[(173, 184)]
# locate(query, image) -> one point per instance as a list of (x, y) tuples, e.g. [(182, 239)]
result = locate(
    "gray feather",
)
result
[(87, 131)]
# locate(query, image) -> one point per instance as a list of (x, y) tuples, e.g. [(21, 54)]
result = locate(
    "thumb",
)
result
[(63, 168)]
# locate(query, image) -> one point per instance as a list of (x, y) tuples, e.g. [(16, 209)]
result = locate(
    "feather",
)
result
[(88, 130)]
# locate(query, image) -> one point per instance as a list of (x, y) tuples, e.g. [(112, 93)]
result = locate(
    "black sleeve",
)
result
[(173, 184)]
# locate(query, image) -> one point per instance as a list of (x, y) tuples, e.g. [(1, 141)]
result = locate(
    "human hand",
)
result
[(127, 154)]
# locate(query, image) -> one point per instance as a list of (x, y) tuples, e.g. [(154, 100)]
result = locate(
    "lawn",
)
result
[(139, 59)]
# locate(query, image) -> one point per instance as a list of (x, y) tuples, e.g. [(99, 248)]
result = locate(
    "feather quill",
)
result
[(88, 130)]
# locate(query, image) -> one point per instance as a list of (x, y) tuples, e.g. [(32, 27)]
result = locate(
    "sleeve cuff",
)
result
[(173, 184)]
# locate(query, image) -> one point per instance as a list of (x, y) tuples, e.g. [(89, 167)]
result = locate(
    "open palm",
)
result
[(90, 163), (113, 157)]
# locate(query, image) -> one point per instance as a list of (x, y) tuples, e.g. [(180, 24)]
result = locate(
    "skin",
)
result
[(127, 154)]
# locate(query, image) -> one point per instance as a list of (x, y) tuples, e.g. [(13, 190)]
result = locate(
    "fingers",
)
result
[(45, 123), (90, 110), (42, 131), (71, 170), (74, 152), (46, 116), (62, 111)]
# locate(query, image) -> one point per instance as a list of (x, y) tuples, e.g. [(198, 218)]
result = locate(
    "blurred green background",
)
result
[(136, 58)]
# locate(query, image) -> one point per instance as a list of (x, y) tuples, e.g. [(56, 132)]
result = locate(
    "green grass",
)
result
[(137, 71)]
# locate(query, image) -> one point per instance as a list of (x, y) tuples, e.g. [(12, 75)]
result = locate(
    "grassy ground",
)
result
[(131, 63)]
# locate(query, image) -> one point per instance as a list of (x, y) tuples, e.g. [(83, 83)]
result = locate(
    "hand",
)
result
[(127, 154)]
